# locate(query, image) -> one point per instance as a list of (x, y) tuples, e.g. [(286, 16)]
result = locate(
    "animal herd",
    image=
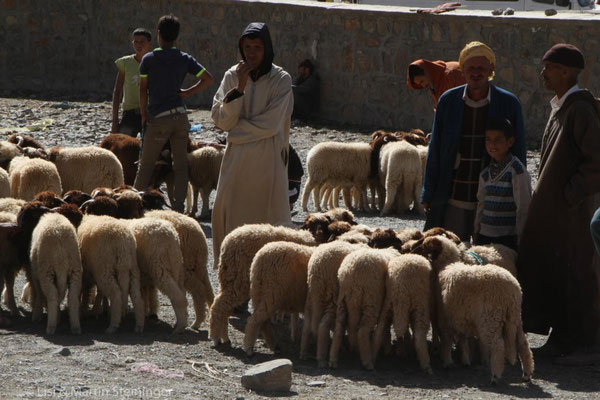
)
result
[(70, 219)]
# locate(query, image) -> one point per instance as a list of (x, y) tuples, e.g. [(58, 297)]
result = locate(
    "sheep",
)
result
[(237, 251), (278, 284), (129, 204), (127, 150), (108, 254), (76, 197), (319, 310), (4, 184), (101, 205), (86, 168), (337, 164), (401, 175), (407, 299), (496, 254), (361, 277), (194, 249), (482, 302), (49, 199), (11, 205), (55, 263), (8, 151), (204, 165), (317, 223), (31, 176), (161, 263)]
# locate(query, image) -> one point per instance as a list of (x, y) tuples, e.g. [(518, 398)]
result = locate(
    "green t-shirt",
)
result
[(131, 86)]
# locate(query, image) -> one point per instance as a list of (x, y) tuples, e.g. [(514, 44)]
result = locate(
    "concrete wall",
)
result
[(66, 48)]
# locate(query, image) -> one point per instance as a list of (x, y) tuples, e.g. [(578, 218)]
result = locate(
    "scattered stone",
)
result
[(129, 360), (64, 352), (316, 383), (275, 375), (550, 11)]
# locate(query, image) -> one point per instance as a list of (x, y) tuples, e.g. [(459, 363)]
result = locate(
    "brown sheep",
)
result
[(127, 150)]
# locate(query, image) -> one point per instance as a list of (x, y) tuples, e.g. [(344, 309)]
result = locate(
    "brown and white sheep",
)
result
[(127, 150), (204, 165), (109, 258), (29, 176), (55, 265), (407, 301), (237, 251), (362, 278), (277, 284), (194, 249)]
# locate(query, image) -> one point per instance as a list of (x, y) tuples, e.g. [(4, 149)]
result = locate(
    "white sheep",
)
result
[(55, 264), (11, 205), (277, 284), (496, 254), (323, 288), (237, 251), (401, 174), (195, 259), (86, 168), (29, 176), (204, 165), (4, 184), (337, 164), (407, 300), (362, 278), (109, 258), (482, 302), (161, 263)]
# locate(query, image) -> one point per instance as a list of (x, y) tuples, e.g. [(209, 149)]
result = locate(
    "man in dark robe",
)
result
[(557, 264)]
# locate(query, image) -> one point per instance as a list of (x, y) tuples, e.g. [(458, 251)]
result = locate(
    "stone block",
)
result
[(352, 24), (275, 375), (9, 4)]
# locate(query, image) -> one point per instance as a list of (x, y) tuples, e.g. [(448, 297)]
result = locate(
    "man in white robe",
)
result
[(255, 113)]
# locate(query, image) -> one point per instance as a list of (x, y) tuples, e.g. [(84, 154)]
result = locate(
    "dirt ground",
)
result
[(187, 366)]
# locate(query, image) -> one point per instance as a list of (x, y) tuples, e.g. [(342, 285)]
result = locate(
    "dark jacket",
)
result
[(445, 138)]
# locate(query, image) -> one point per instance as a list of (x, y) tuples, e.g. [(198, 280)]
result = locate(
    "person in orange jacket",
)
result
[(437, 76)]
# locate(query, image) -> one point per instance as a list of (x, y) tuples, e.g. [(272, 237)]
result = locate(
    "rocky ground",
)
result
[(97, 365)]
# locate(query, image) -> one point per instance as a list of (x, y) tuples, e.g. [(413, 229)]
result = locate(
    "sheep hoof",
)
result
[(333, 364), (153, 317), (249, 352), (111, 329), (179, 329), (139, 329), (76, 330), (495, 380), (196, 326), (322, 363), (369, 367), (50, 330), (428, 370), (526, 378)]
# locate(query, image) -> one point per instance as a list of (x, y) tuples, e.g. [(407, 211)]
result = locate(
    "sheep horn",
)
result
[(20, 140), (86, 204)]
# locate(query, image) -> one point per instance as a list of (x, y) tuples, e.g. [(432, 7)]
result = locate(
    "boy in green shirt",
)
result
[(127, 86)]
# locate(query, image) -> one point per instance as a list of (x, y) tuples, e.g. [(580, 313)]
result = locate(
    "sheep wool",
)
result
[(204, 165), (4, 184), (55, 265), (29, 176), (237, 252), (278, 284), (194, 249)]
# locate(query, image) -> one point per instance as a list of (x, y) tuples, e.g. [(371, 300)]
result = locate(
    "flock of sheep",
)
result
[(105, 243)]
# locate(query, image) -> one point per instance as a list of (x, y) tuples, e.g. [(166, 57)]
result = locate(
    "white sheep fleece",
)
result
[(237, 252), (337, 164), (4, 184), (55, 265), (87, 168), (161, 263), (277, 284), (109, 257), (194, 249), (362, 278), (29, 176)]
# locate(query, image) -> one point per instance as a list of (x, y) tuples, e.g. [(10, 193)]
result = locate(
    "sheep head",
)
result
[(101, 205), (413, 139), (440, 251), (71, 212), (384, 238), (317, 224), (438, 231), (76, 197), (27, 219), (338, 228), (341, 214), (49, 199), (153, 199), (102, 191), (24, 141), (130, 204)]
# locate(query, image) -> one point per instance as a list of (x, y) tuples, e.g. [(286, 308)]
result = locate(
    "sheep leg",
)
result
[(253, 325), (123, 281), (325, 326), (353, 322), (218, 321), (365, 342), (326, 197), (26, 294), (52, 304), (9, 294), (347, 196), (510, 341), (465, 350), (446, 350), (306, 331), (293, 326), (317, 196), (364, 200), (178, 301), (113, 291), (38, 301), (199, 309), (73, 302), (194, 210), (308, 187), (205, 202), (420, 326), (525, 354), (496, 356), (136, 299), (338, 333), (267, 332), (383, 325), (390, 198)]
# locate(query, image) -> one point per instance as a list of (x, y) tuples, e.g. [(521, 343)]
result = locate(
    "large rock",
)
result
[(273, 375)]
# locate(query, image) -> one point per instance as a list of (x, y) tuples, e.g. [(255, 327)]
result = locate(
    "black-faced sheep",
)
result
[(55, 265), (407, 301), (86, 168), (108, 253), (76, 197), (362, 278), (237, 251), (321, 298), (194, 249), (277, 284), (161, 263), (31, 176), (482, 302), (337, 164)]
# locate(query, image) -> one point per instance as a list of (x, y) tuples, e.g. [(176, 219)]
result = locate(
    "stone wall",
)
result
[(66, 48)]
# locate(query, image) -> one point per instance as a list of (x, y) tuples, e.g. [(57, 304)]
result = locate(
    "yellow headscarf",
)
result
[(477, 49)]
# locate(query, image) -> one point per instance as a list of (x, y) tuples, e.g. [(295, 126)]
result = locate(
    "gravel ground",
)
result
[(97, 365)]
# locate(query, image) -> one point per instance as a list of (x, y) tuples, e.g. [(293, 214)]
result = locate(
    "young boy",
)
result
[(504, 189), (127, 86), (163, 111)]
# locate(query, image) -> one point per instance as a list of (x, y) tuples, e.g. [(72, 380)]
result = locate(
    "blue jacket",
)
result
[(445, 139)]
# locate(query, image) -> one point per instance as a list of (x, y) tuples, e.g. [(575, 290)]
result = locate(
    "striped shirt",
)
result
[(503, 200)]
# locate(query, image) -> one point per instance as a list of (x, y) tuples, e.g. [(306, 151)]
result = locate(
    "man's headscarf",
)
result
[(477, 49), (259, 30)]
